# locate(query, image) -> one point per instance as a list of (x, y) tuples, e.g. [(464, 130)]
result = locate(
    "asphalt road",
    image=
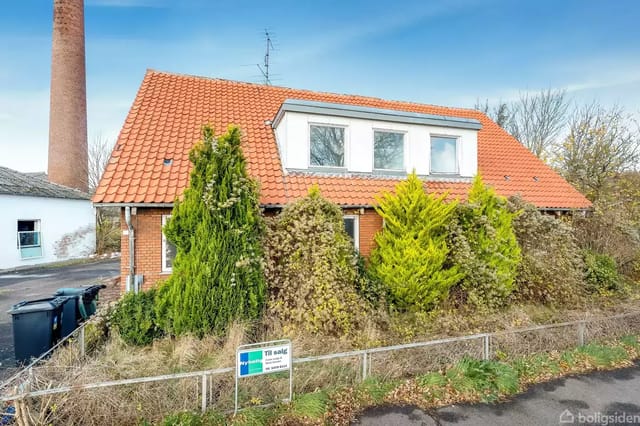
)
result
[(601, 398), (41, 282)]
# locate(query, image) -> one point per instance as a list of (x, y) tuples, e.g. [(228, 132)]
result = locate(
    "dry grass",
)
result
[(113, 360)]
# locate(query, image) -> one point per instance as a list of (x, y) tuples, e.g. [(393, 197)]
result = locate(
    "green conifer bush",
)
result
[(217, 229), (135, 318), (312, 270), (412, 250), (485, 247)]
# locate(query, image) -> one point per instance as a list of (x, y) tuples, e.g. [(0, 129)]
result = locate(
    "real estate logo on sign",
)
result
[(250, 363)]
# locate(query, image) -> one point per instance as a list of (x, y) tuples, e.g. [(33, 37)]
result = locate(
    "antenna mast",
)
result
[(265, 68)]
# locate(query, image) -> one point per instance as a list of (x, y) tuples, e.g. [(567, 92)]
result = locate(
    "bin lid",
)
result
[(39, 305), (70, 291)]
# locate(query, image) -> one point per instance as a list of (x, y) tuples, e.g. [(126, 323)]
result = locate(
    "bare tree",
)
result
[(537, 120), (107, 218), (99, 154), (500, 113), (601, 144)]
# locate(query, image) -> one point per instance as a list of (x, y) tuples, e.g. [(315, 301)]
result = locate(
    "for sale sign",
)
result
[(263, 360)]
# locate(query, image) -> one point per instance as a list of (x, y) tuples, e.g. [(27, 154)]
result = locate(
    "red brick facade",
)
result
[(147, 225), (370, 223)]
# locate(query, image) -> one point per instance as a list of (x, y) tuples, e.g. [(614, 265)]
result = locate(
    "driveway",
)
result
[(41, 282), (601, 398)]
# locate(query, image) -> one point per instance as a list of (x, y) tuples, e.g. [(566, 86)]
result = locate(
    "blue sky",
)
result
[(432, 51)]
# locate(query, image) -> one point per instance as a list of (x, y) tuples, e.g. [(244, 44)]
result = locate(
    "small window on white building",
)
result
[(168, 249), (388, 150), (444, 155), (352, 226), (29, 239), (326, 146)]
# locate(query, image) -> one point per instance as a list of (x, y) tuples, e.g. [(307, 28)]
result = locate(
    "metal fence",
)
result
[(77, 337), (214, 388)]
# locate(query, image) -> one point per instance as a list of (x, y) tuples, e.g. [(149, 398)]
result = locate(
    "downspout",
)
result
[(132, 251)]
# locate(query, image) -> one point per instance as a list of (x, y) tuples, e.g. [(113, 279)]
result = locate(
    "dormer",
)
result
[(321, 137)]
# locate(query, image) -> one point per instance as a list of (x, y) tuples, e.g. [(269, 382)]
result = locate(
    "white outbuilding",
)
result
[(42, 222)]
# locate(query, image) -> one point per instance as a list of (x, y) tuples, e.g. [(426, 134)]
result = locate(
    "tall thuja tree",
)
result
[(217, 230), (411, 253), (485, 246)]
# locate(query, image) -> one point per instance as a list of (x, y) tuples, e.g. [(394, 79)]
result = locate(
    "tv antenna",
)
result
[(264, 69)]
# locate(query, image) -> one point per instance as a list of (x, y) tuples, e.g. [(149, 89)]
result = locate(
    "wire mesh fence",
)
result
[(404, 361), (43, 393)]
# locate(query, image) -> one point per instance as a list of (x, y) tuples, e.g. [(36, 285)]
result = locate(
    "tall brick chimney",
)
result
[(68, 109)]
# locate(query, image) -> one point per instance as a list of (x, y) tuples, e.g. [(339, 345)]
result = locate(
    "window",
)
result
[(168, 249), (444, 155), (388, 151), (326, 144), (29, 239), (351, 225)]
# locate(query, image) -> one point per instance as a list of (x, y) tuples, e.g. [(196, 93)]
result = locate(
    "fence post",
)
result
[(364, 366), (485, 347), (581, 330), (204, 393), (81, 342)]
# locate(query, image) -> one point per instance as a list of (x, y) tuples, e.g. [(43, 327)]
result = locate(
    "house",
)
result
[(42, 222), (352, 147)]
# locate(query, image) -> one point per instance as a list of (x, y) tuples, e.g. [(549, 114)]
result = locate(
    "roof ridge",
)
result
[(352, 95), (45, 187)]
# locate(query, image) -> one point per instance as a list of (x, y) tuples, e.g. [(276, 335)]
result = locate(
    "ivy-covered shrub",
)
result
[(217, 229), (601, 273), (485, 248), (135, 318), (551, 270), (311, 269), (612, 230), (411, 253), (368, 285)]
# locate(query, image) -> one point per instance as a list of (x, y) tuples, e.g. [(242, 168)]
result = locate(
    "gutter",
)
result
[(127, 205), (131, 279)]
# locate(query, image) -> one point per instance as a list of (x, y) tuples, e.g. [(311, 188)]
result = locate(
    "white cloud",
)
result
[(374, 24), (25, 130)]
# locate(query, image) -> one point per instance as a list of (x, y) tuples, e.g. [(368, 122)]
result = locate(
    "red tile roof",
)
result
[(169, 111)]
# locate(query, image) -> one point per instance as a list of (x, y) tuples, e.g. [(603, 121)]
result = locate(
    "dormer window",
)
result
[(444, 155), (326, 146), (388, 150), (342, 139)]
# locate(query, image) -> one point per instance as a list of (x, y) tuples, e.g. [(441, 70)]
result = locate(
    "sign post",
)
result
[(264, 358)]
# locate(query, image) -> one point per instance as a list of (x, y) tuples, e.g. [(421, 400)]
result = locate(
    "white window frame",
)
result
[(345, 143), (36, 228), (356, 229), (404, 149), (457, 155), (165, 269)]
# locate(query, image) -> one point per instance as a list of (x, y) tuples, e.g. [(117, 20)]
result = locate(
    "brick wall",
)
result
[(147, 224), (370, 223)]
